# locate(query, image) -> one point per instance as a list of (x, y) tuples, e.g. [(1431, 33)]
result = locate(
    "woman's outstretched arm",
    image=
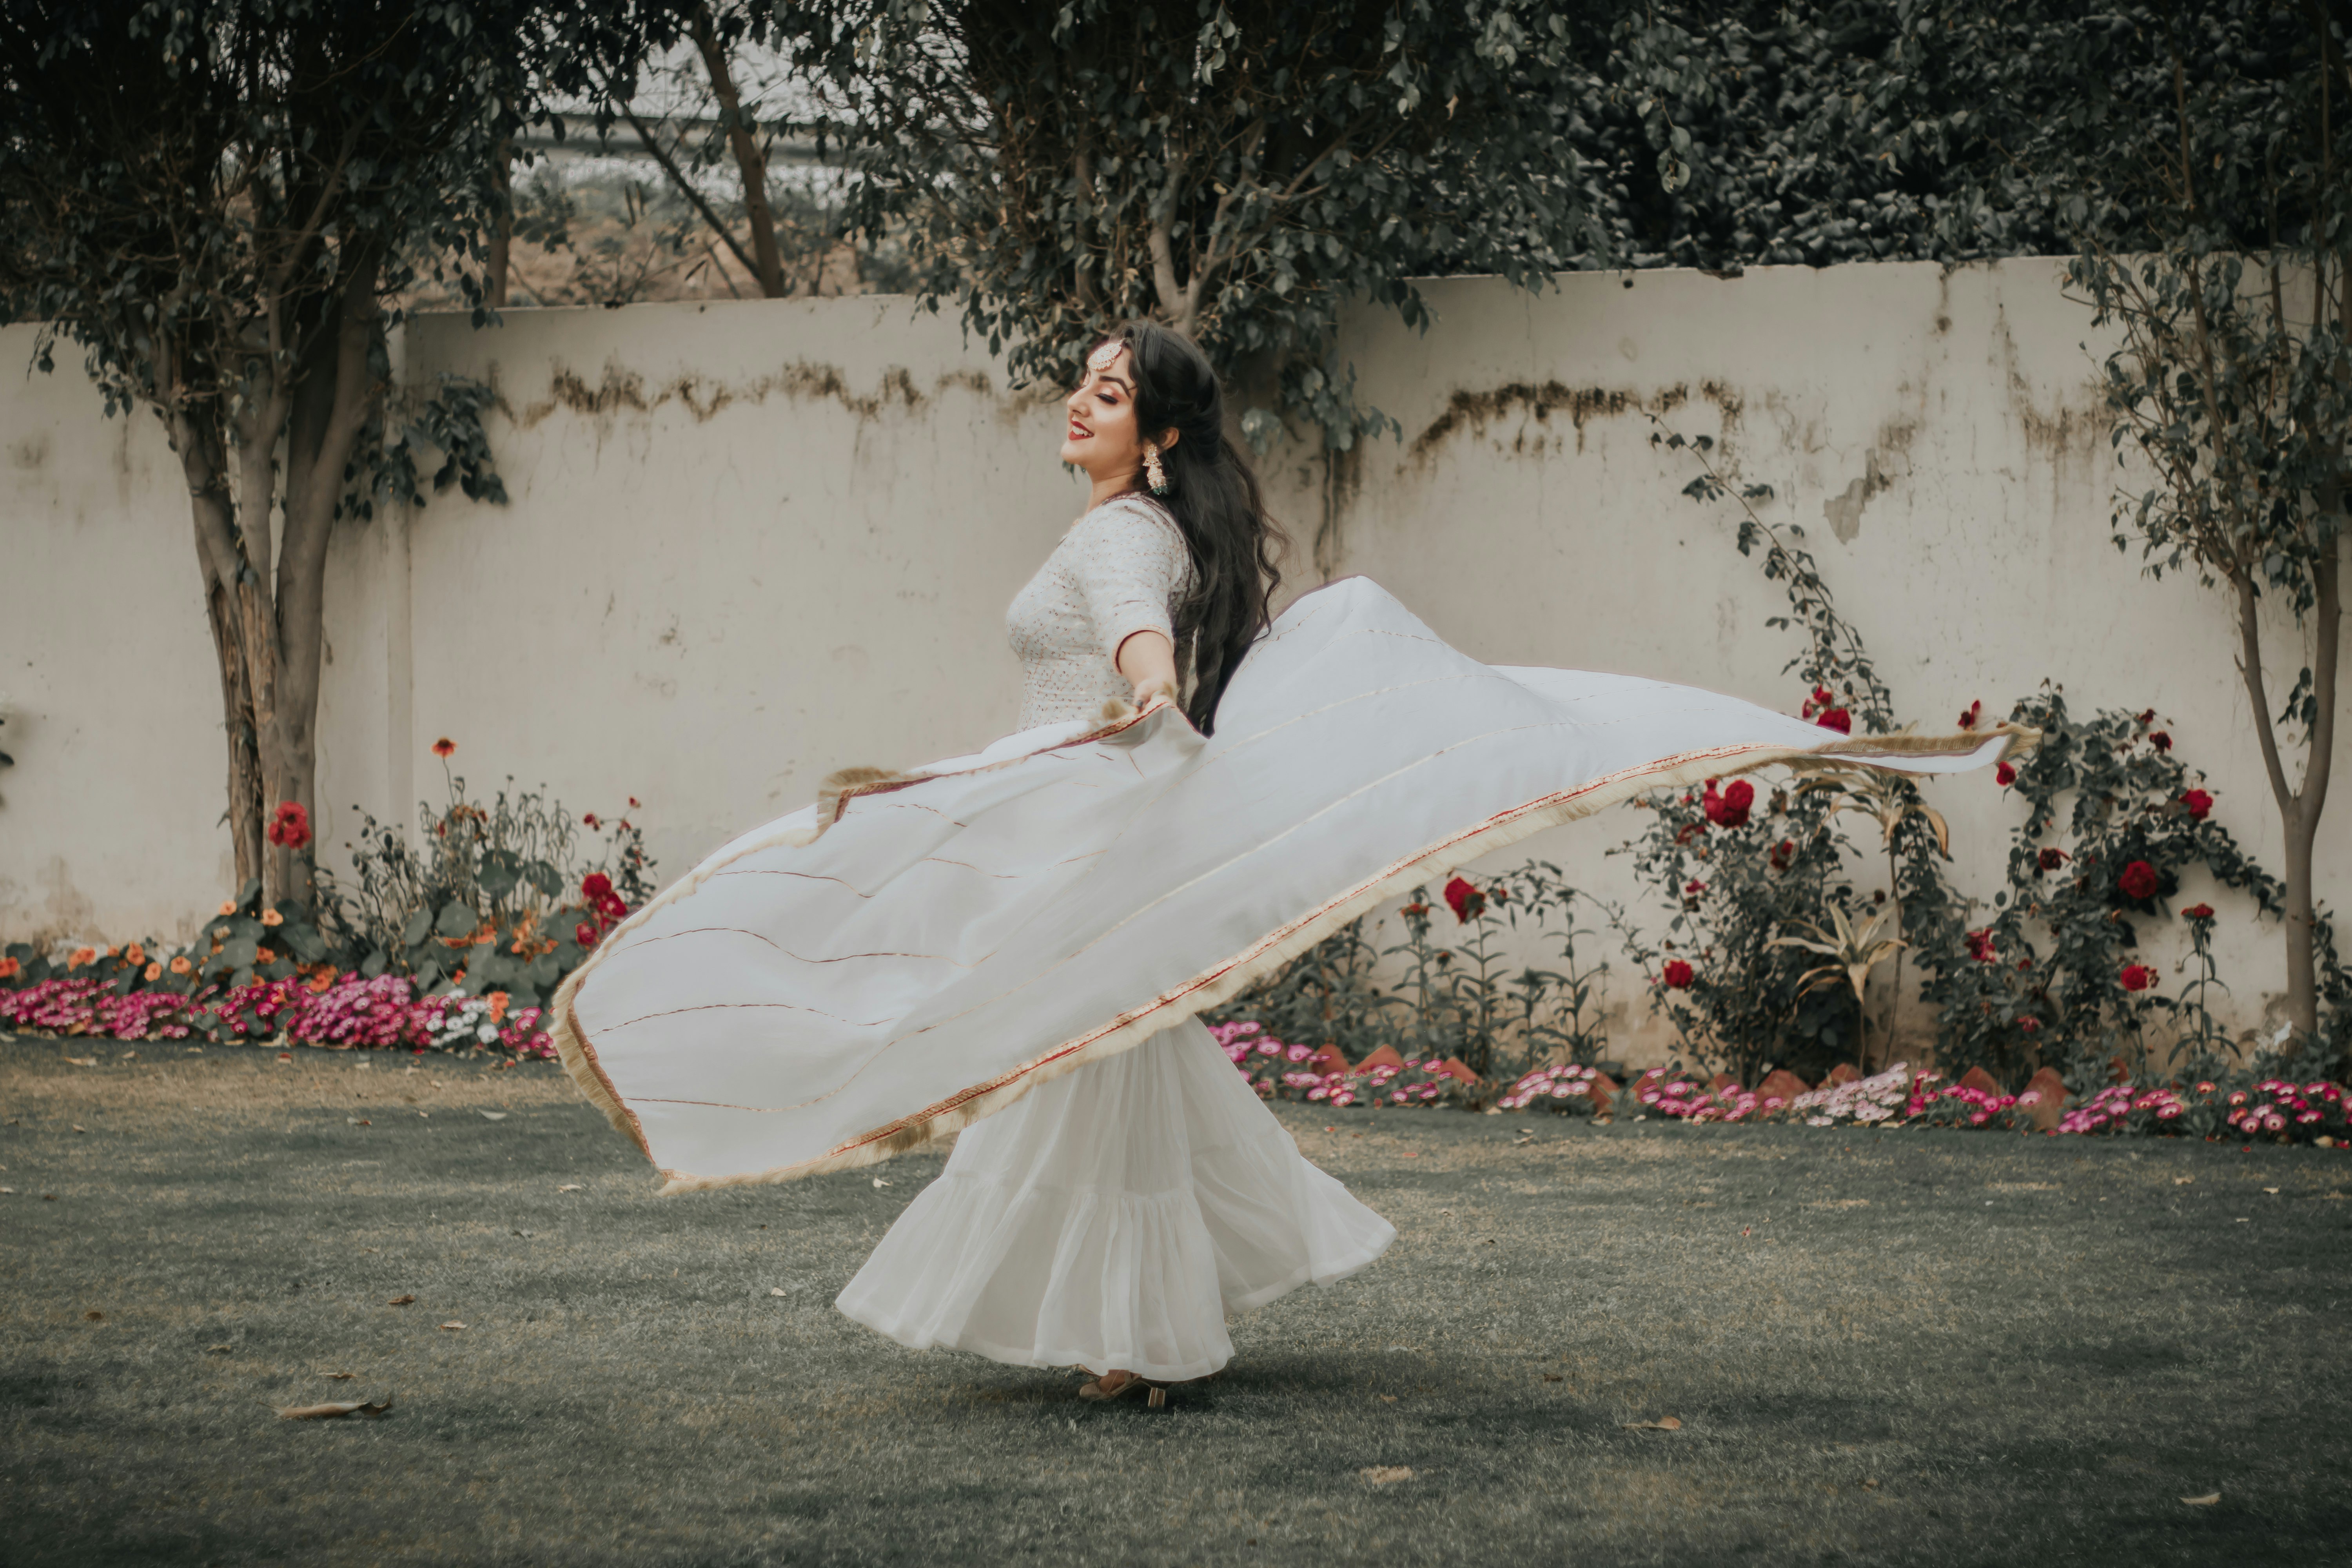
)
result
[(1148, 659)]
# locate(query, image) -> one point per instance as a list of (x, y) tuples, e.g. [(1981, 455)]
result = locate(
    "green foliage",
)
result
[(245, 940), (1426, 999), (1241, 171)]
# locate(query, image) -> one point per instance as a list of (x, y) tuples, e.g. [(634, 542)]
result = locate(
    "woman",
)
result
[(1019, 943)]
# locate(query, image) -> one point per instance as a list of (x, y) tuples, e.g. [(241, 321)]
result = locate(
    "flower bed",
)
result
[(352, 1013), (2265, 1108)]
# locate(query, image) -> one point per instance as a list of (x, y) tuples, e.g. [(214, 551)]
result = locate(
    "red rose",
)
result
[(1730, 808), (1837, 719), (590, 818), (2148, 717), (1821, 701), (1677, 974), (2029, 1024), (1981, 946), (584, 934), (597, 886), (2198, 911), (2004, 775), (2160, 740), (1783, 854), (2199, 804), (636, 805), (290, 827), (1414, 909), (1694, 888), (1968, 716), (2136, 977), (1466, 901), (1689, 831), (2138, 881), (2051, 859)]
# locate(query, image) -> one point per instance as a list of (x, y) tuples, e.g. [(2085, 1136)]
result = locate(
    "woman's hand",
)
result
[(1149, 661)]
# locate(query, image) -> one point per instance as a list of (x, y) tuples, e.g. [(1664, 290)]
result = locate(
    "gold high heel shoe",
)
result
[(1094, 1389)]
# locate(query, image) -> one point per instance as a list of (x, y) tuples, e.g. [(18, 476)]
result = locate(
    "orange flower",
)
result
[(262, 955), (9, 968), (181, 965), (444, 746), (82, 955), (497, 1007), (113, 951), (272, 918), (323, 979), (154, 972), (228, 907), (135, 955)]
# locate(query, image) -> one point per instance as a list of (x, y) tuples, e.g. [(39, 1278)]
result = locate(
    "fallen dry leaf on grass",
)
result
[(1553, 1377), (286, 1056), (78, 1128), (400, 1300), (216, 1350), (93, 1316), (2208, 1501), (2183, 1180), (493, 1115), (880, 1183), (571, 1187), (83, 1061), (328, 1412), (339, 1376), (778, 1290), (1662, 1424), (453, 1325), (2269, 1189), (1384, 1475)]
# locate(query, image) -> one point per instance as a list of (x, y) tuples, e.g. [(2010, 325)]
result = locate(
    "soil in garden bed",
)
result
[(1908, 1347)]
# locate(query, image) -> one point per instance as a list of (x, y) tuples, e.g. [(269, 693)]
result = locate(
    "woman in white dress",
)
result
[(1116, 1217), (1018, 942)]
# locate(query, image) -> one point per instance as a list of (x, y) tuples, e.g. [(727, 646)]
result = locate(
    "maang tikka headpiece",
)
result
[(1105, 353)]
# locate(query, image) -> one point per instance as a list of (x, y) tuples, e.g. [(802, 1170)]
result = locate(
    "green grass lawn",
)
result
[(1905, 1347)]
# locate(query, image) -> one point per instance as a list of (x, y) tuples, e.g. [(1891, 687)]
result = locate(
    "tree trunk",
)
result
[(494, 286), (766, 262), (333, 401), (195, 437)]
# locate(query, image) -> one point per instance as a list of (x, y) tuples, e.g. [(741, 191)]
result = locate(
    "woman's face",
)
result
[(1102, 438)]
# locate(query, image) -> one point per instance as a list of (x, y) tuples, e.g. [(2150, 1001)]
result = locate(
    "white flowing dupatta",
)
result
[(815, 997)]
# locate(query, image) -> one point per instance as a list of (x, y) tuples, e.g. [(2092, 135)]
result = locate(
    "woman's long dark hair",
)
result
[(1213, 495)]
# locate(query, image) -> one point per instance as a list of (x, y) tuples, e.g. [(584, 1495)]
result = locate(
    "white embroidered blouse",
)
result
[(1120, 569)]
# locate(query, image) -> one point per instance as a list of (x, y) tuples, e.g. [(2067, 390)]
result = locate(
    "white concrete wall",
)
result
[(751, 543)]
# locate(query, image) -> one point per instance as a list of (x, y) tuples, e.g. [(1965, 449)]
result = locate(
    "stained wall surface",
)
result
[(746, 544)]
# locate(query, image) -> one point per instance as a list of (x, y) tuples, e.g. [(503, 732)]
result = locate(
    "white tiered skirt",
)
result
[(1115, 1217)]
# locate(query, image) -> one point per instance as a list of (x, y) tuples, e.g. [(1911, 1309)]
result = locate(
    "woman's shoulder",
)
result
[(1134, 519)]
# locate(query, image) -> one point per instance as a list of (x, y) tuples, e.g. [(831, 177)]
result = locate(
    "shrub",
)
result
[(510, 895), (1427, 999)]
